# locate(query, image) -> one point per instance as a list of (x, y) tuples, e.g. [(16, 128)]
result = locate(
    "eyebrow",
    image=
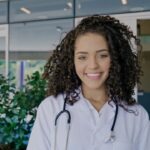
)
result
[(101, 50)]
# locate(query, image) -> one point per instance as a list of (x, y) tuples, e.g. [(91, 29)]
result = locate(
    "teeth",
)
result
[(93, 74)]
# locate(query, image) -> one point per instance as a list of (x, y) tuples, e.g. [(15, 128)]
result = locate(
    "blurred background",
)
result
[(31, 29)]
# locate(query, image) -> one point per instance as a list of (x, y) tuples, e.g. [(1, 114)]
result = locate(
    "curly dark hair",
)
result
[(124, 72)]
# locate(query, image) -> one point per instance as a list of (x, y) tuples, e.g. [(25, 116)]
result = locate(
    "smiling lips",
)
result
[(93, 76)]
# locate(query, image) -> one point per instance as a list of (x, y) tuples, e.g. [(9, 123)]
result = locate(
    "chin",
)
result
[(94, 87)]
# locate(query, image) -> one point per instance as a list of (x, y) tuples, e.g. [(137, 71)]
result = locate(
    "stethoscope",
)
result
[(110, 138)]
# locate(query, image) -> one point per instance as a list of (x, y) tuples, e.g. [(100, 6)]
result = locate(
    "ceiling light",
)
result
[(69, 4), (79, 6), (124, 2), (25, 10), (59, 29)]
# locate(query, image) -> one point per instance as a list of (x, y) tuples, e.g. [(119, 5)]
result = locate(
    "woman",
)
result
[(92, 74)]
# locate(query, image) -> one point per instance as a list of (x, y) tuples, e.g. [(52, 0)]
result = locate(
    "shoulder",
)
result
[(140, 125), (132, 120), (139, 111), (51, 104), (142, 114), (136, 114)]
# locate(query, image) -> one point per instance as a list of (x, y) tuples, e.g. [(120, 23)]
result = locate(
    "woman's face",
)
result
[(92, 60)]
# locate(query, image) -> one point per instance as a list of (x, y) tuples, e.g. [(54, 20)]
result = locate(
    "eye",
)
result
[(82, 57), (103, 55)]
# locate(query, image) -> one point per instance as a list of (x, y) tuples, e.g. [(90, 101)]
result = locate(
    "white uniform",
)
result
[(90, 129)]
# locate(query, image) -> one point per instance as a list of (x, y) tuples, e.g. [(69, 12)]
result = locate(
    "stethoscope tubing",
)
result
[(65, 111), (115, 118)]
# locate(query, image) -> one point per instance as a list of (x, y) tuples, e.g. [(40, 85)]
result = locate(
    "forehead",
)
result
[(90, 41)]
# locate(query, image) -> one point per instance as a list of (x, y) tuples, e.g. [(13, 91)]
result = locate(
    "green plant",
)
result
[(18, 109)]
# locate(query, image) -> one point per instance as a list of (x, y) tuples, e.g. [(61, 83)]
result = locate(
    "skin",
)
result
[(92, 63)]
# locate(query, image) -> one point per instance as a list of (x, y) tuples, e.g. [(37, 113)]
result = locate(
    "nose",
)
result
[(93, 64)]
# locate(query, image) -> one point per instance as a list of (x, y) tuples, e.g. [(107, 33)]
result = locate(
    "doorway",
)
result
[(143, 32)]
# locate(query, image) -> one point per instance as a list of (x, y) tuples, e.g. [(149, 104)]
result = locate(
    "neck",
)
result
[(97, 97)]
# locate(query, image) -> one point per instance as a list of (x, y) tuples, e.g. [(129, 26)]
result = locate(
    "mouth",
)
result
[(93, 76)]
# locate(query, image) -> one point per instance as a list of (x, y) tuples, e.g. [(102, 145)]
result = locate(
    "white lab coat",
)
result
[(90, 129)]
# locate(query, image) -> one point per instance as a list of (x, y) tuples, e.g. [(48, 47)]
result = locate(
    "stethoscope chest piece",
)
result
[(111, 138)]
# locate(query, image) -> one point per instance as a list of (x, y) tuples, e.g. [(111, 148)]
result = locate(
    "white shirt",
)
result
[(89, 129)]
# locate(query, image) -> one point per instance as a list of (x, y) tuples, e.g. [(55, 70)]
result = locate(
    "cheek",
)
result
[(79, 69), (106, 65)]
